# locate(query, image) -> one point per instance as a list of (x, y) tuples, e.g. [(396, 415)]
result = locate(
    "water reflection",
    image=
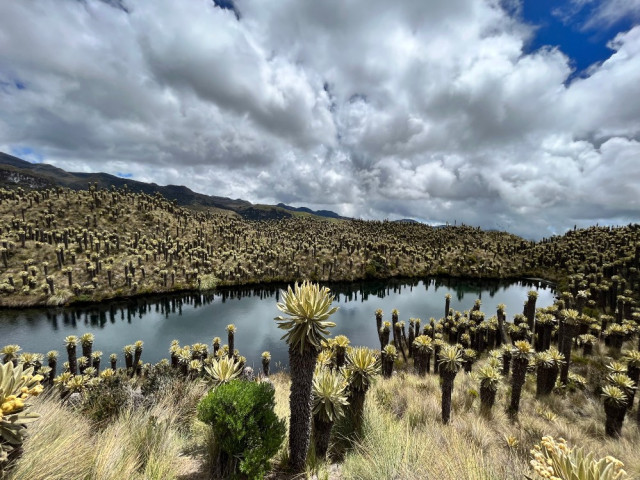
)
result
[(198, 317)]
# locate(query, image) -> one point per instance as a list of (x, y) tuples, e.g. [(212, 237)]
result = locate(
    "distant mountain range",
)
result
[(320, 213), (15, 171)]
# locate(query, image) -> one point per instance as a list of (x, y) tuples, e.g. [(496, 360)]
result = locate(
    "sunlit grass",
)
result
[(403, 435), (59, 445), (141, 443), (405, 438)]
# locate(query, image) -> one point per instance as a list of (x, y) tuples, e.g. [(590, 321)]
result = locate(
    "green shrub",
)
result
[(160, 377), (377, 267), (247, 431), (106, 400)]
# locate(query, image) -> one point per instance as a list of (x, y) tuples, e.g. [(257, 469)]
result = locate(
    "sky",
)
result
[(513, 115)]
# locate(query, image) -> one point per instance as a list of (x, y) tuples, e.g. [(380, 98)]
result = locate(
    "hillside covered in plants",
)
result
[(60, 246)]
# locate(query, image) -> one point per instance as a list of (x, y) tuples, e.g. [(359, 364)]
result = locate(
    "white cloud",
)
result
[(594, 15), (610, 12), (429, 110)]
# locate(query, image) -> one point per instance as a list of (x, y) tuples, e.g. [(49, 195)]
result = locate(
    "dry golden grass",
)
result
[(59, 445), (141, 444), (118, 457), (404, 437), (282, 384)]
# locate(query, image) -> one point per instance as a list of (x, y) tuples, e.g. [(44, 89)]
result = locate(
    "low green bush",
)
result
[(246, 429), (103, 402), (159, 378)]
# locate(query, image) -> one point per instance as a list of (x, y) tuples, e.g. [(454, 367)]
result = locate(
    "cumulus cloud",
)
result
[(428, 110)]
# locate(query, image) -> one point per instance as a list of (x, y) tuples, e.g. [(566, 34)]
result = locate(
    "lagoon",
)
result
[(200, 317)]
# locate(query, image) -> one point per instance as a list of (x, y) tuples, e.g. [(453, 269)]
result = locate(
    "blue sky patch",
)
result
[(124, 174), (28, 154), (575, 27), (227, 5)]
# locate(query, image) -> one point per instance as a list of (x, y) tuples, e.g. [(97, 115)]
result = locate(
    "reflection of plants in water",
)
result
[(173, 304), (122, 319)]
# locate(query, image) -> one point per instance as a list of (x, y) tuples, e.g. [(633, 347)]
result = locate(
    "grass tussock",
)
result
[(404, 437), (145, 443), (118, 457), (282, 384), (58, 447)]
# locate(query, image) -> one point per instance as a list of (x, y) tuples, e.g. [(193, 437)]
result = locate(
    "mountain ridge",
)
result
[(16, 171)]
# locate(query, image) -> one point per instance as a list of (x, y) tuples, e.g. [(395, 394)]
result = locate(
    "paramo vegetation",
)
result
[(463, 384), (59, 246), (540, 393)]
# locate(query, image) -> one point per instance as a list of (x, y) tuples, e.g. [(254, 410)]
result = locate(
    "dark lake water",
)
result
[(201, 317)]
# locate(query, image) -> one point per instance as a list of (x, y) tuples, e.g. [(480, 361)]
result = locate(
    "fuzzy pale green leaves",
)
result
[(556, 356), (390, 351), (622, 381), (329, 395), (14, 379), (308, 307), (616, 367), (571, 316), (76, 384), (632, 357), (554, 459), (522, 350), (549, 358), (325, 358), (423, 344), (16, 385), (223, 370), (363, 365), (9, 352), (489, 377), (450, 358), (613, 395)]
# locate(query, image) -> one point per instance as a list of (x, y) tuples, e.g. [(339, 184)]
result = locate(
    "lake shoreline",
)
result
[(198, 317), (81, 302)]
